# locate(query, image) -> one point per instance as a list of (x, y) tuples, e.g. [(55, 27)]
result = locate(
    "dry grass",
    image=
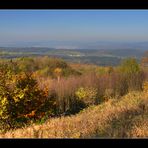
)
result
[(122, 118)]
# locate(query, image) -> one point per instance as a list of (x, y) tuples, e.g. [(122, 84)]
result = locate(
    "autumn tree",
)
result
[(132, 74), (58, 73), (144, 61), (129, 66)]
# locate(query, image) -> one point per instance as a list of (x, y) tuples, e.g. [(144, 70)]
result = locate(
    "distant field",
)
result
[(87, 56)]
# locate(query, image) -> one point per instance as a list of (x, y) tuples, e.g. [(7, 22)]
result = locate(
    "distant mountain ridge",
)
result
[(81, 44)]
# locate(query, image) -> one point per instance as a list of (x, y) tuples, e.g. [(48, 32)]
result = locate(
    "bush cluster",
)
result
[(87, 95)]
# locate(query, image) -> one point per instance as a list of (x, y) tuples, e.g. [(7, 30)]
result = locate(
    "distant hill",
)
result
[(102, 57), (82, 44)]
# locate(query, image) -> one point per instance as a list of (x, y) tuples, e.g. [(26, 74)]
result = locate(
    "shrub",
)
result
[(28, 96), (23, 101), (43, 72), (121, 87), (64, 91), (7, 104), (88, 95), (129, 66), (135, 81), (110, 69), (145, 86), (27, 64), (114, 81), (109, 93), (131, 74)]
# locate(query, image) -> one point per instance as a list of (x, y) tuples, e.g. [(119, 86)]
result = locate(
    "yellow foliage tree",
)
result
[(58, 72)]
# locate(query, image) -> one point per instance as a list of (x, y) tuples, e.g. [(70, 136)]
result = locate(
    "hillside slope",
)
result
[(126, 117)]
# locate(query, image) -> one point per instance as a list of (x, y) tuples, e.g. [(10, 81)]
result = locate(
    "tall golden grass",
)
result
[(117, 118)]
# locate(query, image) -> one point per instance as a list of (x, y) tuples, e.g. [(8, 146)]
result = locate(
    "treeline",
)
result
[(43, 66)]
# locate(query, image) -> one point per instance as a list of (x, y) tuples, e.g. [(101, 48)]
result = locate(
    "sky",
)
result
[(72, 28)]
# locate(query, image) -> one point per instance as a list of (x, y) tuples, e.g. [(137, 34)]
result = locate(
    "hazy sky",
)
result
[(18, 26)]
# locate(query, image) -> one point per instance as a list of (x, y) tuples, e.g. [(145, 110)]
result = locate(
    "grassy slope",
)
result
[(126, 117)]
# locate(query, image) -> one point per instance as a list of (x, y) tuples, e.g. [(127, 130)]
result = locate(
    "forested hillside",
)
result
[(44, 97)]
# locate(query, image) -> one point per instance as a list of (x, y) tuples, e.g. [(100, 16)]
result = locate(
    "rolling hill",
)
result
[(103, 57)]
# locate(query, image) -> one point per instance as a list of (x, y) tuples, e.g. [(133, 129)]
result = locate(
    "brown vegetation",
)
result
[(116, 118), (112, 101)]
